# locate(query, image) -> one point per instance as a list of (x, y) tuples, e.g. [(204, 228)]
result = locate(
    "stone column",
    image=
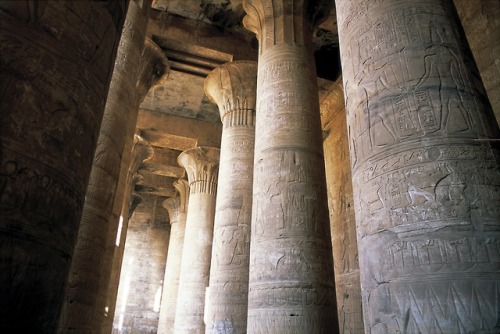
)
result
[(177, 211), (54, 78), (140, 152), (80, 310), (340, 204), (291, 286), (426, 177), (201, 164), (153, 72), (233, 87), (144, 259)]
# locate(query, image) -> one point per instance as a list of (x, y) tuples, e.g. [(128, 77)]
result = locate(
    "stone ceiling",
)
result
[(197, 36)]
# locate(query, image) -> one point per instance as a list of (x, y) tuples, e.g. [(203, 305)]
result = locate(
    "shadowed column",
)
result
[(177, 211), (153, 71), (141, 151), (233, 87), (81, 310), (201, 164), (340, 203), (426, 176), (480, 20), (291, 282), (56, 62)]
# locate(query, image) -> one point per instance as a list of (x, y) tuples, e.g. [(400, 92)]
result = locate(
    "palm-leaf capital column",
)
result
[(291, 288), (233, 87)]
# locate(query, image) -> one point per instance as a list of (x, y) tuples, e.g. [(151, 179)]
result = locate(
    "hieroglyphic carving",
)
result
[(286, 178), (415, 114), (290, 238), (405, 80), (233, 87), (401, 199)]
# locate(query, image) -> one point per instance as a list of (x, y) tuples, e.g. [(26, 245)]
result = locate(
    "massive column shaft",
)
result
[(80, 308), (177, 211), (426, 178), (56, 62), (233, 87), (201, 164), (340, 204), (291, 287)]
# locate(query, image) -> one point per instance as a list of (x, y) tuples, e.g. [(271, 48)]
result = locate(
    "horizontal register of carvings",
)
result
[(426, 178), (291, 283), (233, 87)]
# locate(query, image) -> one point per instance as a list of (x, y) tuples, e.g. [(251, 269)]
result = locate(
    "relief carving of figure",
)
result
[(442, 69)]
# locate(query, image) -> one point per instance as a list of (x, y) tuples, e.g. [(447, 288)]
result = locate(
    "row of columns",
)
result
[(423, 215), (425, 173)]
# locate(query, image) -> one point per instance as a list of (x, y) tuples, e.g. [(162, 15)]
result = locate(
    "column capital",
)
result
[(182, 187), (202, 166), (331, 104), (141, 150), (284, 21), (154, 68), (178, 204), (232, 86), (173, 206)]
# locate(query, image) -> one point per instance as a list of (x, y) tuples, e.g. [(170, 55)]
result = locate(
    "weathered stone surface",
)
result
[(177, 211), (138, 303), (481, 22), (233, 87), (340, 204), (80, 309), (201, 164), (54, 78), (291, 286), (426, 179)]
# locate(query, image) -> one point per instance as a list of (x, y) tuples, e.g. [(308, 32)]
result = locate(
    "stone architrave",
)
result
[(291, 282), (341, 208), (233, 87), (54, 79), (201, 164), (426, 178), (141, 151), (81, 310), (177, 211)]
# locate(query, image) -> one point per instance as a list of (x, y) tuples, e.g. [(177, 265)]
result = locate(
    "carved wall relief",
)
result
[(419, 131)]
